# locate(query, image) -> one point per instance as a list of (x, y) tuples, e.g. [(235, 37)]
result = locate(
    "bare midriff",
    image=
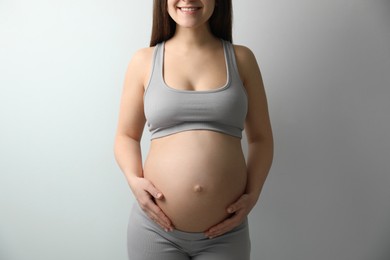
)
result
[(200, 173)]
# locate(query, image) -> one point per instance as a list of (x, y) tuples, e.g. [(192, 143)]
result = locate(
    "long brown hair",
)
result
[(164, 27)]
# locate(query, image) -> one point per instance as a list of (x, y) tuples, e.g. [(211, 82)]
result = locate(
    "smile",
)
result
[(189, 9)]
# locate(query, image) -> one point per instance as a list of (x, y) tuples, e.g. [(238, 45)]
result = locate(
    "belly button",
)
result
[(198, 188)]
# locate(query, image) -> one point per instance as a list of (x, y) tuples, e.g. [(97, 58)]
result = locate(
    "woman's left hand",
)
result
[(239, 210)]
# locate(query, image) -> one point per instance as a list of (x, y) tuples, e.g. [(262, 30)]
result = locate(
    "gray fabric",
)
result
[(170, 110), (148, 241)]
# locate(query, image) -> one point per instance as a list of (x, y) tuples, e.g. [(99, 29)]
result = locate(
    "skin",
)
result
[(193, 37), (205, 173)]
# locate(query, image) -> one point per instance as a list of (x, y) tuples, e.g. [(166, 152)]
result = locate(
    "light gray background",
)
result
[(326, 68)]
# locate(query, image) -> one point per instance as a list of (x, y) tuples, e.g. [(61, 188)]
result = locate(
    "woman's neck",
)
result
[(192, 37)]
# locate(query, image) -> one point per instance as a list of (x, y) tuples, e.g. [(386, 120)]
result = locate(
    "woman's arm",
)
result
[(257, 125), (128, 136), (260, 142)]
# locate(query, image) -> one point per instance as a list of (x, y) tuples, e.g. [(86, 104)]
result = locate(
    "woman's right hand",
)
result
[(146, 194)]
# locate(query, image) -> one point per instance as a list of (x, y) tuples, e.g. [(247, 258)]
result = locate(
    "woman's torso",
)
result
[(200, 174), (199, 171)]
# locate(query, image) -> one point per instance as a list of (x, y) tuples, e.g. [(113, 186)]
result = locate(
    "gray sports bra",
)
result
[(170, 110)]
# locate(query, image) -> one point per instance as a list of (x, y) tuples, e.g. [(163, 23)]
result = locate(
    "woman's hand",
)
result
[(239, 210), (146, 194)]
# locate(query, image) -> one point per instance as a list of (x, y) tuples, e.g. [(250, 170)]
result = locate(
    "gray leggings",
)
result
[(148, 241)]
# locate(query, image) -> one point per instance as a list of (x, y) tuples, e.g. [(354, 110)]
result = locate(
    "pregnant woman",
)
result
[(196, 92)]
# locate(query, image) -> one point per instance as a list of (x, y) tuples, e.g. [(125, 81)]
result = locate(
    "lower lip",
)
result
[(189, 11)]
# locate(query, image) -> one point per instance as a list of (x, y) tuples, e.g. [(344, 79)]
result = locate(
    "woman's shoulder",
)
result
[(246, 61), (243, 53), (141, 60), (142, 55), (139, 65)]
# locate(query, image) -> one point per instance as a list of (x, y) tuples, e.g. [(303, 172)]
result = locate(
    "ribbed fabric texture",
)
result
[(170, 110)]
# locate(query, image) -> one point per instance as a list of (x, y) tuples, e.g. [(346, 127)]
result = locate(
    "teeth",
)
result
[(188, 9)]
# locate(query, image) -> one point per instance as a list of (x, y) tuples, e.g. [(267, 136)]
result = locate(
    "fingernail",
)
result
[(230, 210), (158, 195)]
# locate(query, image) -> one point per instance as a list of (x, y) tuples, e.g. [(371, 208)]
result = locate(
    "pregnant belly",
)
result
[(199, 174)]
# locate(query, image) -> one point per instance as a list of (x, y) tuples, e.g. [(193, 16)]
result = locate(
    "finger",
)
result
[(153, 191), (237, 205), (224, 226), (161, 224), (155, 213), (158, 221), (220, 229), (158, 215)]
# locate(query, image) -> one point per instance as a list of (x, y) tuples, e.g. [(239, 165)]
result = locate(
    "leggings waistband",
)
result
[(178, 233)]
